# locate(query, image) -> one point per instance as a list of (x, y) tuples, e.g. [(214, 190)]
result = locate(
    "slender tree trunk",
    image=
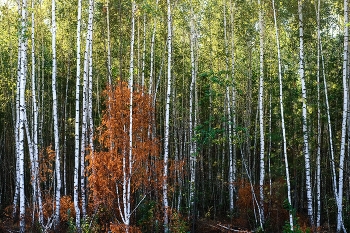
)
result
[(22, 109), (261, 113), (37, 191), (232, 165), (318, 156), (193, 158), (17, 118), (304, 117), (229, 113), (167, 123), (282, 118), (77, 124), (150, 89), (143, 54), (85, 115), (55, 118), (340, 224)]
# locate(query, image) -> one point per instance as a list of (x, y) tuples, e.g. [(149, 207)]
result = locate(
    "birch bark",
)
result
[(304, 117), (193, 159), (229, 113), (22, 106), (36, 189), (261, 113), (77, 124), (167, 124), (318, 155), (85, 123), (340, 224), (55, 118), (232, 165), (282, 117)]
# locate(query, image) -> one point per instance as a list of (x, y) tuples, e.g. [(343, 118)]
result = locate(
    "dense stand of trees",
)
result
[(173, 115)]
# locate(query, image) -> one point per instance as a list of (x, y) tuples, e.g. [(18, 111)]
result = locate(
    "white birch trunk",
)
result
[(304, 117), (16, 128), (127, 163), (90, 116), (143, 54), (340, 224), (193, 158), (55, 118), (77, 124), (150, 89), (228, 97), (22, 106), (232, 165), (261, 114), (282, 117), (167, 123), (109, 66), (318, 156), (85, 105), (37, 190)]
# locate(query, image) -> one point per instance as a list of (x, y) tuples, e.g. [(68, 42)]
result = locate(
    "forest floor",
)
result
[(208, 226)]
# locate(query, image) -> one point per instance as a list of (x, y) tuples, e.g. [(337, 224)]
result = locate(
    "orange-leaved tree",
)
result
[(115, 175)]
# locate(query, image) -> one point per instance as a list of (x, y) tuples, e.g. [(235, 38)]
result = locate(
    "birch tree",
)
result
[(339, 196), (318, 155), (261, 113), (232, 165), (36, 189), (55, 117), (304, 117), (77, 125), (167, 123), (109, 66), (150, 88), (128, 162), (192, 121), (86, 123), (229, 113), (282, 117), (22, 109)]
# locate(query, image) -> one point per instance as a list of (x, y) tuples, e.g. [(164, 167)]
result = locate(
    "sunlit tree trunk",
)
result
[(192, 121), (127, 163), (109, 66), (282, 117), (17, 114), (143, 54), (167, 123), (318, 156), (261, 113), (340, 224), (304, 117), (85, 103), (22, 106), (77, 125), (150, 89), (55, 118), (232, 165), (229, 113), (36, 189), (90, 116)]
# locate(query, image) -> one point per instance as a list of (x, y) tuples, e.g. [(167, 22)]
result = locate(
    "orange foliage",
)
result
[(106, 164), (244, 204), (121, 228), (276, 214), (67, 208), (46, 164)]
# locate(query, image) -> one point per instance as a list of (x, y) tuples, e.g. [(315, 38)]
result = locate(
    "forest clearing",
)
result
[(174, 116)]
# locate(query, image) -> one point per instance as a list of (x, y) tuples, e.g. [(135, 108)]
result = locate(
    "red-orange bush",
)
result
[(106, 164)]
